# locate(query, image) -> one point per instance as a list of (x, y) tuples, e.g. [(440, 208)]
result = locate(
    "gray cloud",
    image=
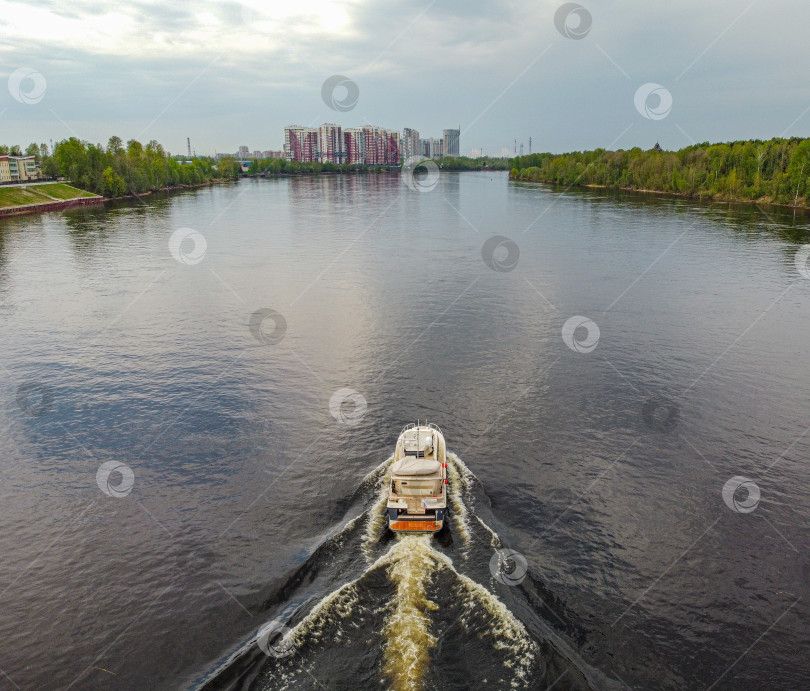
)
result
[(132, 61)]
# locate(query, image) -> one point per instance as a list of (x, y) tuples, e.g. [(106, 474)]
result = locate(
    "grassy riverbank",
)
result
[(776, 171), (39, 194)]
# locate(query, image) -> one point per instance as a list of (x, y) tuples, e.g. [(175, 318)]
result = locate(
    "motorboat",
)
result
[(417, 496)]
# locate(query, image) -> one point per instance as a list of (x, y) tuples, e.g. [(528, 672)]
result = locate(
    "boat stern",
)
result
[(402, 522)]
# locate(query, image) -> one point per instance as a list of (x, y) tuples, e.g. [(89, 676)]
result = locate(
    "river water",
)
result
[(195, 432)]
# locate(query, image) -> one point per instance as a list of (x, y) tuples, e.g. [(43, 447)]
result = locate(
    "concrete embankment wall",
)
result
[(51, 206)]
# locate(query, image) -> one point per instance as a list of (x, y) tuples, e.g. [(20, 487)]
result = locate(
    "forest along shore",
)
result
[(776, 171)]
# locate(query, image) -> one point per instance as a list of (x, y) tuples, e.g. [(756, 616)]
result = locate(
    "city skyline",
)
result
[(369, 144), (146, 70)]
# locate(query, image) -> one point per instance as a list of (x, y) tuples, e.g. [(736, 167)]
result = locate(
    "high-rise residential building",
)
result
[(409, 144), (355, 139), (431, 147), (392, 155), (382, 146), (301, 143), (331, 144), (451, 141), (243, 152)]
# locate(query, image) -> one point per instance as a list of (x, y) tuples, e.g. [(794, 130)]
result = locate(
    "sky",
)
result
[(572, 76)]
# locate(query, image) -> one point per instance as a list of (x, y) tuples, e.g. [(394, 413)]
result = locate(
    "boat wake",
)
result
[(421, 612)]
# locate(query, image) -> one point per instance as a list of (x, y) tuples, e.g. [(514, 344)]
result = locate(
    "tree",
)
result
[(134, 148), (114, 145), (112, 184), (153, 147)]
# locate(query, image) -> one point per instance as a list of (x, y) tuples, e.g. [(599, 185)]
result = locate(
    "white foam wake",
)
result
[(412, 564), (459, 476), (376, 515)]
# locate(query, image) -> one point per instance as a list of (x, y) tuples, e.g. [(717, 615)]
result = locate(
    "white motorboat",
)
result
[(417, 497)]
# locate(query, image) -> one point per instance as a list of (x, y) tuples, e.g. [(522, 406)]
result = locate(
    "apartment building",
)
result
[(5, 169), (369, 144), (300, 143), (382, 146), (410, 144), (331, 144), (432, 147), (18, 168), (355, 145)]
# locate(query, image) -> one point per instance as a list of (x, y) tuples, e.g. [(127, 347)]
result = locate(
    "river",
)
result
[(202, 392)]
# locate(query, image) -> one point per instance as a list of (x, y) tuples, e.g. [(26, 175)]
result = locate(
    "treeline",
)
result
[(466, 163), (280, 166), (775, 171), (117, 169)]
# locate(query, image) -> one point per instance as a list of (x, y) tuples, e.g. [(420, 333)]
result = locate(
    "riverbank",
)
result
[(762, 201), (171, 188), (39, 198)]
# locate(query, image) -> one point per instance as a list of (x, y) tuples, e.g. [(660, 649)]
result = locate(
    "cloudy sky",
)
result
[(232, 73)]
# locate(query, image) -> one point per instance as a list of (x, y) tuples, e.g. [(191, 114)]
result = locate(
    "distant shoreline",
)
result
[(764, 201), (775, 172), (169, 188)]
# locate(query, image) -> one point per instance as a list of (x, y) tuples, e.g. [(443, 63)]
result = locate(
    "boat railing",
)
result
[(414, 425)]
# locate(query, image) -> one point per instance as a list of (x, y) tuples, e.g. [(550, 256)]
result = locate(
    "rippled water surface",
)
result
[(244, 501)]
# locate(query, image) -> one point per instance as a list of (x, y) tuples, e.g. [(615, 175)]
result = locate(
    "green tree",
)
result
[(114, 145), (112, 184)]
